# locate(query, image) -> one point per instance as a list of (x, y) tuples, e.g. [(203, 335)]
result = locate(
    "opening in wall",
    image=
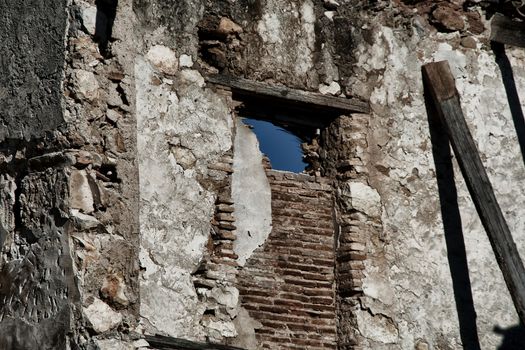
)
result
[(283, 148)]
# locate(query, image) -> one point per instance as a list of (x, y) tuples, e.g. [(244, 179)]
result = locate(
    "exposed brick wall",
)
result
[(344, 158), (288, 283)]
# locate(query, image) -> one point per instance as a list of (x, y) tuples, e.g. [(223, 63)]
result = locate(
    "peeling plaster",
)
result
[(175, 209), (251, 194)]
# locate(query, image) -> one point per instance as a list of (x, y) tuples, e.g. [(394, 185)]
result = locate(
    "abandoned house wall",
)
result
[(123, 173), (417, 291)]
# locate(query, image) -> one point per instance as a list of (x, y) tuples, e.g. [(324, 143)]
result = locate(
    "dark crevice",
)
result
[(110, 171), (106, 14)]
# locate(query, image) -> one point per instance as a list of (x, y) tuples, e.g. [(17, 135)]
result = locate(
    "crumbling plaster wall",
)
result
[(185, 132), (372, 51), (141, 106), (408, 295)]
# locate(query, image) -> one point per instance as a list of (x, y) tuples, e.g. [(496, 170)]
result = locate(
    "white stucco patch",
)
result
[(175, 209), (251, 194)]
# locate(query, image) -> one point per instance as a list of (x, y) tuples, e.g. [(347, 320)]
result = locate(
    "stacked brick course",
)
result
[(288, 283), (344, 156)]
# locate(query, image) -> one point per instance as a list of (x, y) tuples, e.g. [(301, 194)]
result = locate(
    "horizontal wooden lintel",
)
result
[(507, 31), (290, 97), (169, 343)]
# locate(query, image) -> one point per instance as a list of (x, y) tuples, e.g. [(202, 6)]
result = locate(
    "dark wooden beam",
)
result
[(507, 31), (440, 82), (168, 343), (290, 97)]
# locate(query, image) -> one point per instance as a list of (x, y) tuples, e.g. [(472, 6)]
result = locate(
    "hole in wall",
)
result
[(281, 146)]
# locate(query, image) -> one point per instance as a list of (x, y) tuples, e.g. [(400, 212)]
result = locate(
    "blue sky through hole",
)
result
[(282, 147)]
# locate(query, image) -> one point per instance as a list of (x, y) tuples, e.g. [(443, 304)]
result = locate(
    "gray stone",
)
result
[(330, 89), (114, 344), (32, 67), (163, 58), (185, 61), (80, 190), (86, 85), (88, 15)]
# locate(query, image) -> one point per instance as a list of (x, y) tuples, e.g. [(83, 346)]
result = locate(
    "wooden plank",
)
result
[(507, 31), (440, 82), (162, 342), (289, 96)]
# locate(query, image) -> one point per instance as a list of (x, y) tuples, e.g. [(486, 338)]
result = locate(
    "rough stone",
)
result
[(163, 58), (185, 61), (114, 289), (86, 84), (101, 317), (192, 76), (365, 199), (227, 296), (88, 14), (114, 344), (330, 89), (113, 115), (141, 343), (469, 42), (84, 221), (227, 26), (449, 18), (81, 195)]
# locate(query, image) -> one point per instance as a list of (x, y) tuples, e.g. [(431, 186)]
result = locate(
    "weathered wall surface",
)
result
[(36, 280), (416, 290), (32, 66), (102, 206), (190, 244)]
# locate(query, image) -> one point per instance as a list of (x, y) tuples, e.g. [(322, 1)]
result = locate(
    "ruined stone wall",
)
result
[(134, 202), (36, 279)]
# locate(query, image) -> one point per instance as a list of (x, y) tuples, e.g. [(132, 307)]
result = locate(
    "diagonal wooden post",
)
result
[(440, 82)]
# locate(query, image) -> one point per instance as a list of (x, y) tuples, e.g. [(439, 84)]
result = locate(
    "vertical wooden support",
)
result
[(440, 82)]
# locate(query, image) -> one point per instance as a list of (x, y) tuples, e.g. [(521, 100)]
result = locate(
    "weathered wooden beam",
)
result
[(165, 343), (284, 95), (440, 82), (507, 31)]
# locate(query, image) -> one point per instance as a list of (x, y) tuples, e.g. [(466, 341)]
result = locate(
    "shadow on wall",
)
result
[(513, 337), (513, 98), (456, 253), (106, 13)]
